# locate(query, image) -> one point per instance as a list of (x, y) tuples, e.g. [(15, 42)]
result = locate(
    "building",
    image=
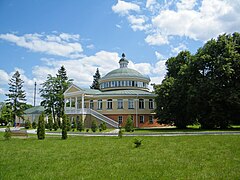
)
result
[(123, 92)]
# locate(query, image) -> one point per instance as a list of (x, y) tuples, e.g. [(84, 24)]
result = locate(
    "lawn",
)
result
[(185, 157)]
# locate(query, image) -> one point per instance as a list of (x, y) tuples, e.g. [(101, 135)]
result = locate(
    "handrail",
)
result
[(93, 113)]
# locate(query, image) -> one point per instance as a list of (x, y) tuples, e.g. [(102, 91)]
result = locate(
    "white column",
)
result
[(136, 106), (70, 103), (82, 106), (76, 104)]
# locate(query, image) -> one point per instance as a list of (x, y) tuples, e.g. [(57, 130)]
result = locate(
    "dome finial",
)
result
[(123, 55)]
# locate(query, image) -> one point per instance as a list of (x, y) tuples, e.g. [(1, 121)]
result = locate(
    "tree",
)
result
[(64, 127), (6, 114), (50, 122), (16, 97), (80, 125), (129, 124), (52, 93), (96, 77), (41, 127), (68, 123), (94, 126)]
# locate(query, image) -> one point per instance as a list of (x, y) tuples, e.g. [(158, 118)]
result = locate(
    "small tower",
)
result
[(123, 61)]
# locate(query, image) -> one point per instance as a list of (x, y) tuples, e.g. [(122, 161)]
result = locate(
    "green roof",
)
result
[(125, 73), (118, 92), (34, 110)]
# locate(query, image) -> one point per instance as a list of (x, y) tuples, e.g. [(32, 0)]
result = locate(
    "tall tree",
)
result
[(16, 96), (96, 77), (41, 127)]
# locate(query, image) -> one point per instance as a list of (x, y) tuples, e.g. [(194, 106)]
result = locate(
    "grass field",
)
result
[(185, 157)]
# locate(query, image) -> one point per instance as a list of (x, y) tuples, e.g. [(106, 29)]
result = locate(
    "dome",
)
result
[(124, 78), (125, 73)]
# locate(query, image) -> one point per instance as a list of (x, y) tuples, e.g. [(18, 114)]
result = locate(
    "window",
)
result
[(120, 103), (151, 104), (150, 119), (100, 104), (120, 120), (109, 104), (67, 101), (141, 103), (91, 104), (141, 119), (130, 104)]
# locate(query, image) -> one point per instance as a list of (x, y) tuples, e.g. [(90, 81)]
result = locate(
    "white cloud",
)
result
[(124, 8), (156, 39), (90, 46), (197, 20), (159, 56), (180, 47), (118, 26), (65, 45)]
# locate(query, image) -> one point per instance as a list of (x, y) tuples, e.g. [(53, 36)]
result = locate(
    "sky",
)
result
[(37, 37)]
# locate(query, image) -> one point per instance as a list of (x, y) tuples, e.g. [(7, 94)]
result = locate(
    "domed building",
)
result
[(123, 92)]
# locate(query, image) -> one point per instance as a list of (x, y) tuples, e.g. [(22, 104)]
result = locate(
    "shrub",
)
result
[(74, 124), (7, 135), (27, 124), (129, 124), (87, 130), (94, 126), (103, 126), (80, 125), (64, 127), (41, 127), (55, 126), (50, 122), (137, 142), (34, 125), (120, 133)]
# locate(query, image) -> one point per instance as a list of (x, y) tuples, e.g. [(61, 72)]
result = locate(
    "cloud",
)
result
[(199, 20), (124, 8), (180, 47), (90, 46), (159, 56), (65, 45)]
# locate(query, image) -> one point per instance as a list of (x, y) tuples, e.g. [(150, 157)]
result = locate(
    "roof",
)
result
[(118, 92), (34, 110), (125, 73)]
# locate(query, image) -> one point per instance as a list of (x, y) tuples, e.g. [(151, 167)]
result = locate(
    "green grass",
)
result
[(185, 157)]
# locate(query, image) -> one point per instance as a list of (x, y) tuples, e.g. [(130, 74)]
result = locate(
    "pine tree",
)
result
[(64, 127), (129, 124), (50, 122), (16, 96), (41, 127), (96, 77)]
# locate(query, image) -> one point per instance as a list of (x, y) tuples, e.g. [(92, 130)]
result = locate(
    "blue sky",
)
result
[(38, 36)]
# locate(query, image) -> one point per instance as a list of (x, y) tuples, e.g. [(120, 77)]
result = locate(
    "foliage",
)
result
[(137, 142), (55, 126), (74, 124), (96, 77), (94, 126), (120, 133), (50, 122), (41, 127), (27, 124), (129, 124), (80, 125), (34, 125), (202, 88), (52, 93), (68, 123), (64, 127), (7, 134), (103, 126), (6, 114), (16, 97)]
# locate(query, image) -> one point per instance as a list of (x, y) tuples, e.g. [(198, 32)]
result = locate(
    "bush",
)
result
[(64, 127), (41, 127), (87, 130), (50, 122), (34, 125), (137, 142), (27, 124), (129, 124), (120, 133), (55, 126), (80, 125), (7, 135), (74, 124), (94, 126), (103, 126)]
